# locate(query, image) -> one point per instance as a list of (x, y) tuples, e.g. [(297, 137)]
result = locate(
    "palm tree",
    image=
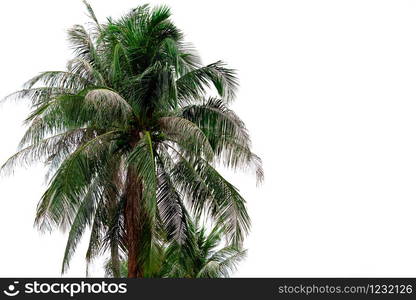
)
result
[(132, 140), (199, 256)]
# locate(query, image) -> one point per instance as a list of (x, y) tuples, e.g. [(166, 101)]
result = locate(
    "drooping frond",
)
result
[(194, 84), (107, 105), (51, 118), (143, 160), (214, 117), (60, 79), (102, 199), (171, 209), (82, 220), (207, 190), (85, 69), (60, 144), (38, 95), (96, 237), (226, 133), (68, 186), (187, 135), (82, 44), (96, 108)]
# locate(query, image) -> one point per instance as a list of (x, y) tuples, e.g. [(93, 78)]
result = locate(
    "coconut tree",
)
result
[(199, 256), (132, 139)]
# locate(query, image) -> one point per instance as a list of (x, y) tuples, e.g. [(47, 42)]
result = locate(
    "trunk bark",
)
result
[(133, 219)]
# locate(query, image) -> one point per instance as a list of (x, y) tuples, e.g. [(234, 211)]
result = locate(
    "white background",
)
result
[(328, 91)]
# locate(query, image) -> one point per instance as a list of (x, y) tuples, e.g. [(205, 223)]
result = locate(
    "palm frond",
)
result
[(37, 96), (96, 237), (143, 160), (223, 263), (108, 105), (171, 209), (91, 13), (82, 44), (194, 84), (60, 144), (68, 186), (85, 69), (59, 79), (83, 218), (207, 190), (226, 133), (187, 135)]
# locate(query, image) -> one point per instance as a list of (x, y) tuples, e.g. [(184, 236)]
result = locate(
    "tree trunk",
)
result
[(133, 220)]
